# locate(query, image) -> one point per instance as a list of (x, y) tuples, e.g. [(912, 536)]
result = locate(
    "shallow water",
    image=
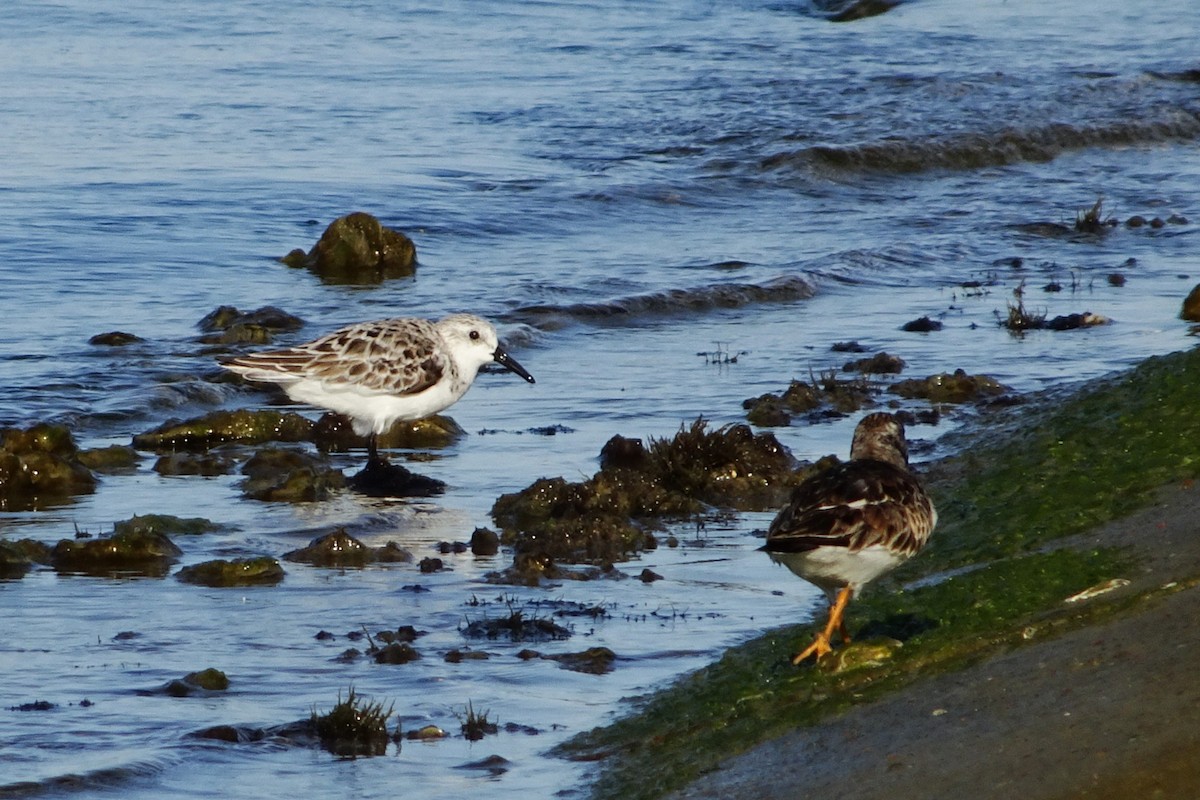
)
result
[(623, 187)]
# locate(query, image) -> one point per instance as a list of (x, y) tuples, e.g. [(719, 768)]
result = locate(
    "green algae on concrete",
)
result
[(1039, 475)]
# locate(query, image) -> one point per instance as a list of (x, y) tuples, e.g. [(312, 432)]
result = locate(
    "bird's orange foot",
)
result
[(819, 647)]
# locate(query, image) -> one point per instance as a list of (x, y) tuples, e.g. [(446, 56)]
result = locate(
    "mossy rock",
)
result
[(340, 549), (332, 432), (221, 573), (950, 388), (166, 524), (593, 661), (40, 466), (13, 562), (220, 427), (205, 681), (1191, 305), (270, 318), (204, 464), (289, 476), (146, 553), (114, 339), (357, 249), (114, 458)]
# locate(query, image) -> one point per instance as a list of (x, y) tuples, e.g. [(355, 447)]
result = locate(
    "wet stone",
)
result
[(114, 339), (340, 549), (221, 427), (357, 249), (289, 476), (958, 387), (220, 573), (332, 433), (40, 466), (269, 317), (167, 524), (112, 459), (138, 553), (485, 542), (593, 661), (1191, 305), (204, 464), (386, 479)]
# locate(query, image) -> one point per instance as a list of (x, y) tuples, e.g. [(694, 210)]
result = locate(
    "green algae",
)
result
[(1028, 480), (167, 524), (221, 573)]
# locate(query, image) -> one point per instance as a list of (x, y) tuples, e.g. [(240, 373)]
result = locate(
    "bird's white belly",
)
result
[(831, 568), (371, 411)]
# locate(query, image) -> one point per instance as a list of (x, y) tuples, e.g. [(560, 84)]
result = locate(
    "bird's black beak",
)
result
[(508, 362)]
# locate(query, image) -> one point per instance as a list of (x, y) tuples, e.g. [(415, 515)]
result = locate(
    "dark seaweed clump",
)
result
[(353, 727), (606, 518)]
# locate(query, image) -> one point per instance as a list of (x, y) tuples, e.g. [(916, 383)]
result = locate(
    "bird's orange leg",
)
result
[(820, 645)]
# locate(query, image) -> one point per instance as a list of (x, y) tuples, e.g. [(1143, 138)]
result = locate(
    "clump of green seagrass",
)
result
[(353, 727)]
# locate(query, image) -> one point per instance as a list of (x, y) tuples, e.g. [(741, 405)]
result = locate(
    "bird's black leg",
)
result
[(373, 459)]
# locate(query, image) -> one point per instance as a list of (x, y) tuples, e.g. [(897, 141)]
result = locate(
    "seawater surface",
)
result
[(624, 188)]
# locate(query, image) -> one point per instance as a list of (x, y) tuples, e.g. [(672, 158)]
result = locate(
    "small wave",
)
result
[(102, 778), (976, 150), (784, 289)]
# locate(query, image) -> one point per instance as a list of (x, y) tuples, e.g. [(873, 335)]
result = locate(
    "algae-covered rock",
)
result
[(485, 542), (878, 364), (147, 553), (946, 388), (826, 391), (242, 426), (40, 466), (289, 476), (13, 562), (114, 339), (270, 318), (593, 661), (219, 573), (357, 249), (205, 681), (114, 458), (604, 518), (166, 524), (340, 549), (332, 432), (204, 464), (1191, 305), (353, 728), (388, 479)]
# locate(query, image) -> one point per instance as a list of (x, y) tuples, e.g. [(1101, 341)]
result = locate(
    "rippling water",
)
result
[(623, 186)]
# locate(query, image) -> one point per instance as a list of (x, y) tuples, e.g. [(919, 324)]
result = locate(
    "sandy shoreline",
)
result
[(1109, 710)]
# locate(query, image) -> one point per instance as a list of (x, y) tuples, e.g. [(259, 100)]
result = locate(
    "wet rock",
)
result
[(1191, 305), (357, 249), (166, 524), (353, 727), (137, 553), (852, 10), (13, 562), (428, 565), (340, 549), (1136, 221), (921, 325), (1070, 322), (648, 575), (946, 388), (1116, 279), (241, 333), (242, 426), (204, 464), (40, 466), (485, 542), (115, 458), (767, 411), (457, 656), (220, 573), (620, 452), (516, 627), (395, 653), (289, 476), (385, 479), (537, 569), (36, 705), (114, 339), (848, 347), (593, 661), (332, 432), (206, 681), (826, 391), (427, 733), (269, 318), (405, 633), (604, 519), (878, 364), (493, 765)]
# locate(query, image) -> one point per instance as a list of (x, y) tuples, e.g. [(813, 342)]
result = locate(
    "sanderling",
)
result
[(848, 525), (377, 373)]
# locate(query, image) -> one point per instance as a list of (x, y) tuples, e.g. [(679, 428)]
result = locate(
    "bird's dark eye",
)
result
[(474, 335)]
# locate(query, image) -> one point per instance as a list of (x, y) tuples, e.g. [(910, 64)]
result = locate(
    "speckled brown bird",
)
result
[(377, 373), (848, 525)]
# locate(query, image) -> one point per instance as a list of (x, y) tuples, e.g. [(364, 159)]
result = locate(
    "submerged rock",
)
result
[(167, 524), (38, 466), (385, 479), (242, 426), (340, 549), (13, 562), (114, 339), (114, 458), (950, 388), (145, 553), (604, 519), (205, 464), (269, 318), (205, 681), (219, 573), (332, 432), (1191, 305), (593, 661), (289, 476), (357, 249), (837, 397)]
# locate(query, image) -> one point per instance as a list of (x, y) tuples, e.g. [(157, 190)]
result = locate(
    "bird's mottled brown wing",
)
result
[(398, 357), (855, 505)]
